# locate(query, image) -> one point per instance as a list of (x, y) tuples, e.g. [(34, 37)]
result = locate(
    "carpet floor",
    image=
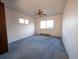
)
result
[(36, 47)]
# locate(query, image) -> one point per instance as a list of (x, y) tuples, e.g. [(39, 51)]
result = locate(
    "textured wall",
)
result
[(15, 30), (70, 29)]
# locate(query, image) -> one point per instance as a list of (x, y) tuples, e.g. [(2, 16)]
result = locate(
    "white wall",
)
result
[(15, 30), (70, 29), (57, 31)]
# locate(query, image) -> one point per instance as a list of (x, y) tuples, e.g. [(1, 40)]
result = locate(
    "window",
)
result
[(23, 21), (50, 24), (47, 24), (26, 21), (43, 24)]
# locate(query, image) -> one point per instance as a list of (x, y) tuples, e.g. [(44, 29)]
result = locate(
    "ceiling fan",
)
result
[(40, 13)]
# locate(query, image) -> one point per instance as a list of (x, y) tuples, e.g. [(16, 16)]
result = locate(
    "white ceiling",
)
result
[(28, 7)]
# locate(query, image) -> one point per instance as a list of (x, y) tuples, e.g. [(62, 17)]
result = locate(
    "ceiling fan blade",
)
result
[(35, 15), (40, 13), (44, 14)]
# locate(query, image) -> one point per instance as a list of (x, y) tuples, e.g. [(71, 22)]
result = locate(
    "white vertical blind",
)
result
[(43, 24), (48, 24)]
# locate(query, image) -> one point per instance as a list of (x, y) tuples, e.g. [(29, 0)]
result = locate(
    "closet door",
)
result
[(3, 33)]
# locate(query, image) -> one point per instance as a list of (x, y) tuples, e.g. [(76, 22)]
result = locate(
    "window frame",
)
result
[(21, 20), (46, 25), (27, 20), (24, 21)]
